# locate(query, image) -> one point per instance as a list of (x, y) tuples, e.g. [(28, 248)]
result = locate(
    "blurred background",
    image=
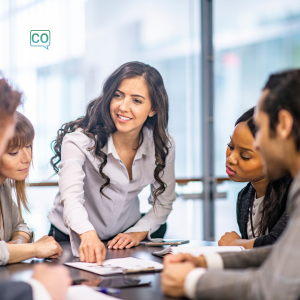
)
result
[(91, 38)]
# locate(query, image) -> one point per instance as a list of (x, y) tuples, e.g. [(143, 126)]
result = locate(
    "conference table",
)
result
[(23, 271)]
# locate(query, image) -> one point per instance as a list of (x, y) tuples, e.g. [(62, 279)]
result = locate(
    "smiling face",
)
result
[(131, 105), (243, 162), (15, 163)]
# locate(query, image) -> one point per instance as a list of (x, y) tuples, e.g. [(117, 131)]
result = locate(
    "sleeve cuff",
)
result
[(141, 226), (190, 283), (38, 290), (214, 261), (4, 253)]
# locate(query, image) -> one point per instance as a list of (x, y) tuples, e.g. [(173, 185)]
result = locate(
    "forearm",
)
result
[(245, 259), (21, 252), (247, 244), (141, 235), (19, 237)]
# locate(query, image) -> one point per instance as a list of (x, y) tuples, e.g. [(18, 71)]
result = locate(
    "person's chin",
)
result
[(236, 178), (20, 177)]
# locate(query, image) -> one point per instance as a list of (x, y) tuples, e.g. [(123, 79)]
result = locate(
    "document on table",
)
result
[(196, 251), (79, 292), (118, 266)]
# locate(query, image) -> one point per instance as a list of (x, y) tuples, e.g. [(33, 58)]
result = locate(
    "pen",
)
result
[(106, 290)]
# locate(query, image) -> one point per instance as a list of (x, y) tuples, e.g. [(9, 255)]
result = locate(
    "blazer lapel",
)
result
[(6, 212), (247, 203)]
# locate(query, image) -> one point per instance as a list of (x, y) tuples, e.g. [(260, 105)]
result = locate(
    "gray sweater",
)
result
[(12, 221)]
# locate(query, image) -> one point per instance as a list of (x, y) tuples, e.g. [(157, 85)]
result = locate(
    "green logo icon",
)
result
[(40, 38)]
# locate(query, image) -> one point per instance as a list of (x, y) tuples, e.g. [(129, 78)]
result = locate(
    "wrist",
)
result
[(201, 262), (141, 235), (88, 233), (32, 249)]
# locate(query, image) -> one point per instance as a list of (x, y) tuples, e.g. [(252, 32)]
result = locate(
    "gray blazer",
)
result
[(270, 273), (12, 220)]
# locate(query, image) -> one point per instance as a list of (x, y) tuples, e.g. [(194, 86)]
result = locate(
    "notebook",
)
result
[(125, 265), (196, 251)]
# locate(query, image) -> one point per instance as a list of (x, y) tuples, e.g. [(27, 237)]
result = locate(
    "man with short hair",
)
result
[(47, 282), (269, 272)]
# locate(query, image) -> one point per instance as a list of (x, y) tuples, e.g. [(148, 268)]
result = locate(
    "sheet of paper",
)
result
[(79, 292), (94, 268), (116, 266), (132, 263)]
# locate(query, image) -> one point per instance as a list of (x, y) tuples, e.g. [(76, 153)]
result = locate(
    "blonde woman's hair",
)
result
[(24, 135)]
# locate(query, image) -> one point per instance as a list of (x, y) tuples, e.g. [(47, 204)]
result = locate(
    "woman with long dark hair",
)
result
[(105, 159), (261, 214)]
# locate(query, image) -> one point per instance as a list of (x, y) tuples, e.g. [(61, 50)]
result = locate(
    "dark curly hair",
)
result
[(98, 125)]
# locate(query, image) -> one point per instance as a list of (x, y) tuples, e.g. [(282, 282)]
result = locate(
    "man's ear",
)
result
[(285, 124), (152, 113)]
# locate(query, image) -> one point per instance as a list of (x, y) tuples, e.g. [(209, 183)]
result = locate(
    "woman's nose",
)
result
[(26, 155), (232, 159), (125, 105)]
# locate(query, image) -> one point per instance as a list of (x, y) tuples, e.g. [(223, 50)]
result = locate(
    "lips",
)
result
[(229, 171), (123, 119)]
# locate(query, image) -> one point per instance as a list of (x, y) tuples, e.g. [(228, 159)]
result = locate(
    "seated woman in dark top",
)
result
[(261, 214)]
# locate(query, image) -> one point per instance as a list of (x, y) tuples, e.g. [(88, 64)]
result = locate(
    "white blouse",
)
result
[(79, 207), (256, 216)]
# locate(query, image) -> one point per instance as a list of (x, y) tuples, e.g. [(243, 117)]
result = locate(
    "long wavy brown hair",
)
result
[(24, 135), (98, 125)]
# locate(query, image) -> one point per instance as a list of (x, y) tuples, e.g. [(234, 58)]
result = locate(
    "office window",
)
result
[(89, 40)]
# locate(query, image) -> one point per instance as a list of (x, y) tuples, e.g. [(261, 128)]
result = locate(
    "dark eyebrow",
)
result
[(138, 96), (131, 95), (246, 149)]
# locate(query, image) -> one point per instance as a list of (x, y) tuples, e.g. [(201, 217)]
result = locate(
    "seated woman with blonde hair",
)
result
[(14, 169)]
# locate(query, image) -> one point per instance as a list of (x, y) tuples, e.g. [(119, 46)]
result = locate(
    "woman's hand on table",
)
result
[(229, 239), (126, 240), (47, 247), (233, 239), (91, 248)]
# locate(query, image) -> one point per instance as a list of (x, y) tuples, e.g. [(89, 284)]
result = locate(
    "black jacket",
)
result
[(245, 198)]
